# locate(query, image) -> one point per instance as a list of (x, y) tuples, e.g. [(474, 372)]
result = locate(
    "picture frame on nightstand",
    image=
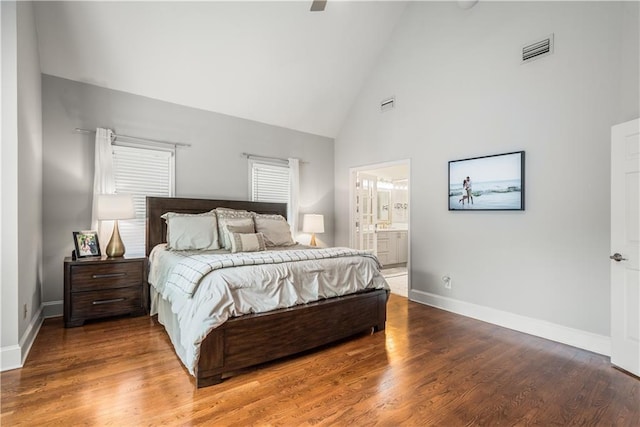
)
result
[(86, 244)]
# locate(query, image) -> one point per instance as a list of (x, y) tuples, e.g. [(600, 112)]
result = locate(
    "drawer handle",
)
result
[(105, 276), (107, 301)]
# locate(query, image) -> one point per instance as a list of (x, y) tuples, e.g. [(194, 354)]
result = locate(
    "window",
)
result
[(141, 172), (275, 180), (269, 182)]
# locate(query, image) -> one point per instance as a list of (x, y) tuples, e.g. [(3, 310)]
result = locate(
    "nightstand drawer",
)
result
[(107, 275), (108, 302)]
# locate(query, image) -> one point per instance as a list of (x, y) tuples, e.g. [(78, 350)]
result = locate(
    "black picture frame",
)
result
[(86, 244), (497, 183)]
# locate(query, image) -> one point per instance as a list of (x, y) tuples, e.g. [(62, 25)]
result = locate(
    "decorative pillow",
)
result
[(231, 217), (242, 226), (275, 228), (191, 231), (247, 242)]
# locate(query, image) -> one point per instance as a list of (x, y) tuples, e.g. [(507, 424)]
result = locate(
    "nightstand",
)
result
[(103, 287)]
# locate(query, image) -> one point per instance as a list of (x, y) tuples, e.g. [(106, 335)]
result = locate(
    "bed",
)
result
[(253, 339)]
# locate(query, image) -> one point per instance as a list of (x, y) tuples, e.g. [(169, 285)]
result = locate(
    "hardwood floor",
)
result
[(429, 367)]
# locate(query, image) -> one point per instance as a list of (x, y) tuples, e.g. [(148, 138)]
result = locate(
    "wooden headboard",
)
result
[(157, 206)]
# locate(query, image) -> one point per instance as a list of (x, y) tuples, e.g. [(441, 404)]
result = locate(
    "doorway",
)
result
[(379, 218)]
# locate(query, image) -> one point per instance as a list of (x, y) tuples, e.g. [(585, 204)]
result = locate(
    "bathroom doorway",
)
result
[(379, 218)]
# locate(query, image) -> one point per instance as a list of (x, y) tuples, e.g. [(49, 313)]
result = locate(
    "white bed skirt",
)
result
[(169, 320)]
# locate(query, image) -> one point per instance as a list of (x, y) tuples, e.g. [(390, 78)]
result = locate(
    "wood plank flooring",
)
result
[(429, 367)]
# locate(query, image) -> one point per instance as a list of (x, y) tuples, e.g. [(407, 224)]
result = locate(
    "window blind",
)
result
[(141, 172), (270, 182)]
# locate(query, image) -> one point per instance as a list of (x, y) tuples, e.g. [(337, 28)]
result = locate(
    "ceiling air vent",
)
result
[(318, 5), (387, 104), (537, 49)]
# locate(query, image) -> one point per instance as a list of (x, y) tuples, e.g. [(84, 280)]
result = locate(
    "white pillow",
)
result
[(275, 228), (191, 231), (247, 242), (232, 217)]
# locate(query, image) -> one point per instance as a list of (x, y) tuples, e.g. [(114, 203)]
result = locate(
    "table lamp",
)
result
[(115, 207), (313, 223)]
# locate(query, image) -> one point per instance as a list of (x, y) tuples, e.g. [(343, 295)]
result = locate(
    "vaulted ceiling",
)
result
[(272, 62)]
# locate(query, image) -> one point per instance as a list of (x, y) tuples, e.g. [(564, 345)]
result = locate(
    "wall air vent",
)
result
[(387, 104), (537, 49)]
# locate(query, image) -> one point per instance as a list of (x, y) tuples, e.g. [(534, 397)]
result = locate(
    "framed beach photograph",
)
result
[(488, 183), (86, 243)]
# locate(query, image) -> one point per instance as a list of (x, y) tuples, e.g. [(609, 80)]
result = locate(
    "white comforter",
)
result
[(234, 291)]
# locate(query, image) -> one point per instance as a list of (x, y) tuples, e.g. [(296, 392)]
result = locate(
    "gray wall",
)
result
[(212, 168), (9, 183), (21, 190), (29, 167), (461, 92)]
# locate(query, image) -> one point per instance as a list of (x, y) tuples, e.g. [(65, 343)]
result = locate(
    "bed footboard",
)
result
[(253, 339)]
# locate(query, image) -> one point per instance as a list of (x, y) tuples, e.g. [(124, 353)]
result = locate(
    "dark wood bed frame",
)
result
[(253, 339)]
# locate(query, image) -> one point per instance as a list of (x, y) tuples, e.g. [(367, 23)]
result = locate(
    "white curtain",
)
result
[(294, 198), (103, 182)]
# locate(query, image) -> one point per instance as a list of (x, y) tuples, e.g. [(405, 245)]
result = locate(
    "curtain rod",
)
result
[(153, 141), (258, 156)]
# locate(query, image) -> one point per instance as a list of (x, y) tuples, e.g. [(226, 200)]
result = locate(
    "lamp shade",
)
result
[(115, 206), (313, 223)]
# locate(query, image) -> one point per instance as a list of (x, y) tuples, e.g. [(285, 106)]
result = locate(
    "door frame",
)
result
[(352, 189)]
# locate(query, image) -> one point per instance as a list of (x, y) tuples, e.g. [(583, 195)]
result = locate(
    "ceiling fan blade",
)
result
[(318, 5)]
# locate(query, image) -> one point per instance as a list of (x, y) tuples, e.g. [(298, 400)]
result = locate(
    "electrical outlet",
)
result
[(24, 311), (446, 280)]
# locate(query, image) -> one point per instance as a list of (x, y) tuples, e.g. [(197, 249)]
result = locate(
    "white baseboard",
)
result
[(13, 357), (30, 334), (52, 309), (10, 358), (574, 337)]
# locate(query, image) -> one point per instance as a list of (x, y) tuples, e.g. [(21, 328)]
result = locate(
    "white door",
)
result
[(366, 212), (625, 240)]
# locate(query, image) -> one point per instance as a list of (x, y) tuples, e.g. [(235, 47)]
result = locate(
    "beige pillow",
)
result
[(241, 225), (191, 231), (232, 217), (275, 228), (247, 242)]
